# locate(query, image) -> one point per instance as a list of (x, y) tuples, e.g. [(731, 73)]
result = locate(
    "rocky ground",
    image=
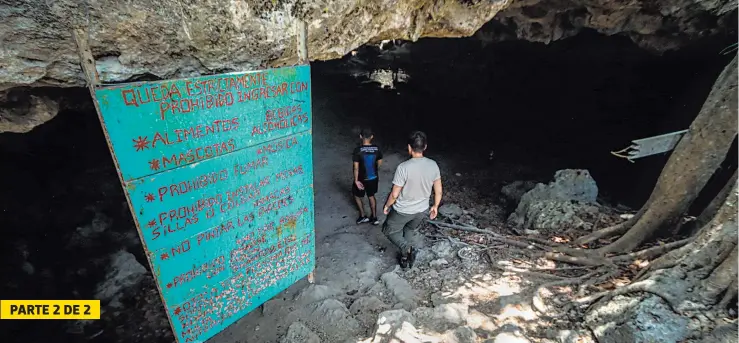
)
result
[(461, 289), (464, 287)]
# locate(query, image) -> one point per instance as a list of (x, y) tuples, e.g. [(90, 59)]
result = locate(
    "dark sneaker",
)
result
[(362, 220), (403, 260), (412, 257), (374, 221)]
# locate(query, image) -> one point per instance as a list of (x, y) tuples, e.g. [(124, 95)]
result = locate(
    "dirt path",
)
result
[(349, 258), (356, 272)]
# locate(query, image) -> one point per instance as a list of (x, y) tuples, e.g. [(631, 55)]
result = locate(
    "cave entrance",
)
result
[(548, 107), (494, 113)]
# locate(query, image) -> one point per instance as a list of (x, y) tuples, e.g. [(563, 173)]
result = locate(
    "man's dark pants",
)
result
[(398, 227)]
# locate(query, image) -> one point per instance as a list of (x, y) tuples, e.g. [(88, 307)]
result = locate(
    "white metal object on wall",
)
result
[(650, 146)]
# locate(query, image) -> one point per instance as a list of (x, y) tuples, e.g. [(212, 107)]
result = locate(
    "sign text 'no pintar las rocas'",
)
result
[(218, 173)]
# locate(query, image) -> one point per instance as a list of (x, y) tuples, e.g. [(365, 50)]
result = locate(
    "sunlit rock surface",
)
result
[(174, 38), (138, 39)]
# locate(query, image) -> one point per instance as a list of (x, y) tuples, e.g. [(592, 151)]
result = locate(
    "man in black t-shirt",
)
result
[(367, 159)]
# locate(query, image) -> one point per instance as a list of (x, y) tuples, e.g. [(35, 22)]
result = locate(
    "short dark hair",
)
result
[(366, 132), (417, 141)]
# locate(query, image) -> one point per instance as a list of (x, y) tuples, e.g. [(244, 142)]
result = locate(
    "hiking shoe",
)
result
[(412, 257), (375, 221), (362, 220), (403, 260)]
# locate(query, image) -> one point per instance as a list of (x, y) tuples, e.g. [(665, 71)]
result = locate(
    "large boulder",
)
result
[(558, 205), (516, 189), (568, 184), (558, 215), (402, 293), (122, 277), (632, 319)]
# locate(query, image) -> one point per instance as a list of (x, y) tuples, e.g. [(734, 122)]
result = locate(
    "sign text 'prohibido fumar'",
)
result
[(218, 173)]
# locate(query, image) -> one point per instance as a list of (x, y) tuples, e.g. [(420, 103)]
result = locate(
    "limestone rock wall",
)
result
[(137, 39), (656, 25), (175, 38)]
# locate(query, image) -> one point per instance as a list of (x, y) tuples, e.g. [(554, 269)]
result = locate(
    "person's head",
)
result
[(366, 135), (416, 143)]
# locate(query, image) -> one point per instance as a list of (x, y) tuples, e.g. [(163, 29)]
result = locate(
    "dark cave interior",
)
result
[(549, 107), (562, 105)]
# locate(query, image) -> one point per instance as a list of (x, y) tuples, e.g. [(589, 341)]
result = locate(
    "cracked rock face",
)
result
[(657, 26), (178, 39), (144, 39), (20, 112)]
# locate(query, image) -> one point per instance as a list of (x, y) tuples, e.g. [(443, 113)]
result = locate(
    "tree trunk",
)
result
[(710, 211), (692, 163), (681, 288), (713, 244)]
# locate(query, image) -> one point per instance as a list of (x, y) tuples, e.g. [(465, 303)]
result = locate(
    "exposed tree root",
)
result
[(493, 235), (574, 260), (597, 280), (564, 268), (610, 231), (710, 211), (602, 269), (722, 334), (542, 241), (538, 303), (530, 273), (693, 274), (723, 250), (721, 278), (668, 260), (651, 252), (647, 286), (730, 294)]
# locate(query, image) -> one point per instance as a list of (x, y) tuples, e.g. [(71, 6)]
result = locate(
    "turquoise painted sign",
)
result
[(218, 173)]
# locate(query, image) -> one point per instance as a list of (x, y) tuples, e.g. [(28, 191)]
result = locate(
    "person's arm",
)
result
[(355, 164), (394, 194), (379, 163), (437, 199), (398, 184), (356, 176)]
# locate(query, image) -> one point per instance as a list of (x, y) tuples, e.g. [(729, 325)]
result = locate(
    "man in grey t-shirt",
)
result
[(408, 202)]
